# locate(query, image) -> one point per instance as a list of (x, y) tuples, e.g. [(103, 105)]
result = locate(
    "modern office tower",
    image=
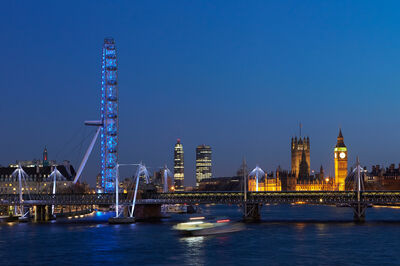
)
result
[(203, 163), (340, 162), (179, 168), (297, 148)]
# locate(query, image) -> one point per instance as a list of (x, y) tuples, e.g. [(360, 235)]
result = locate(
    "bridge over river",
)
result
[(149, 201), (251, 201)]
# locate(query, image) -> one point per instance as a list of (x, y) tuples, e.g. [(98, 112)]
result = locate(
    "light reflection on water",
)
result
[(194, 252), (286, 235), (300, 226)]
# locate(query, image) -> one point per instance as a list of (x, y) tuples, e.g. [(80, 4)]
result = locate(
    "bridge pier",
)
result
[(147, 212), (359, 212), (126, 211), (251, 212), (42, 213)]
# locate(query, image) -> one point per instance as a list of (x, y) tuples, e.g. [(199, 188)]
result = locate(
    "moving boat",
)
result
[(121, 220), (23, 219), (198, 226), (173, 208), (179, 208)]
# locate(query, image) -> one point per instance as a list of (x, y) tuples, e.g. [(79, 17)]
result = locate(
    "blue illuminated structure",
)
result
[(109, 115)]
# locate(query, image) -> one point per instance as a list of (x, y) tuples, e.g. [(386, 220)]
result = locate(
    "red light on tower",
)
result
[(45, 160), (45, 154)]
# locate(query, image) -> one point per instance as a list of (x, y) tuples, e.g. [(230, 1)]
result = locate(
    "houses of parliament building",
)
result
[(304, 180), (300, 177)]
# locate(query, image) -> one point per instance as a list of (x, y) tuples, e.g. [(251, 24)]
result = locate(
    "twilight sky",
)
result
[(237, 75)]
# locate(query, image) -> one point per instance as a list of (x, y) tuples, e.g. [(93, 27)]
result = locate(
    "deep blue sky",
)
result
[(237, 75)]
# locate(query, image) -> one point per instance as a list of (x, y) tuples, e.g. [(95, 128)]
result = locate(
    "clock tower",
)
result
[(340, 162)]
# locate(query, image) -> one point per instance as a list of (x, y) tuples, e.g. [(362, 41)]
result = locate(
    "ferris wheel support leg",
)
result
[(86, 157)]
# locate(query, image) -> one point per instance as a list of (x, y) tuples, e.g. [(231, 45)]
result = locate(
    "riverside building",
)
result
[(37, 176)]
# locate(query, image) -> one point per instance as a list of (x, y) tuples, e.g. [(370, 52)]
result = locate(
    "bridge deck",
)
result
[(217, 197)]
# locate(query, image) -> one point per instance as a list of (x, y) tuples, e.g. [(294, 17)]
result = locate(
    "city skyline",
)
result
[(190, 132), (203, 162), (256, 70)]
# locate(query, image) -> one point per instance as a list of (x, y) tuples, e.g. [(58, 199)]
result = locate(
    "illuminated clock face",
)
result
[(342, 155)]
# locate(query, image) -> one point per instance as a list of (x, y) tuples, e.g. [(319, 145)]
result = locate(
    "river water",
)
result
[(287, 235)]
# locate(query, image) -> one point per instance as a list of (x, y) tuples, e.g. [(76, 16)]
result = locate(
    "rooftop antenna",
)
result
[(300, 126)]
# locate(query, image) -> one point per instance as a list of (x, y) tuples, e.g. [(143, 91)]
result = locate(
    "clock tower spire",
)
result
[(340, 153)]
